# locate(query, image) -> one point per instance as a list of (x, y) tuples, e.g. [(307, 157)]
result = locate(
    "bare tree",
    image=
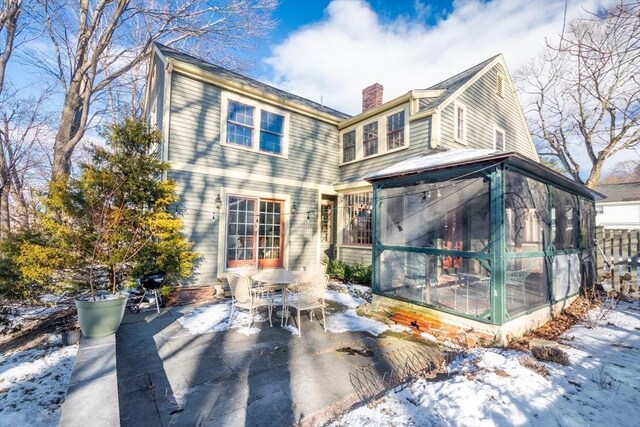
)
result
[(97, 44), (25, 128), (584, 91), (9, 14), (624, 171)]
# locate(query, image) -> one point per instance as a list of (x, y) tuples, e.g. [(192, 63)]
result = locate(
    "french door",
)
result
[(255, 232)]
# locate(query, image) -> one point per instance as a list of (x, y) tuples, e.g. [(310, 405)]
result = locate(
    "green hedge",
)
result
[(353, 273)]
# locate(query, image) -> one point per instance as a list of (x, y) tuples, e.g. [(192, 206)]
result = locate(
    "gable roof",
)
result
[(623, 192), (452, 84), (208, 67)]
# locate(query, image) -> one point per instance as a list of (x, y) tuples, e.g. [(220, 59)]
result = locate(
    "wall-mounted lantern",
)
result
[(218, 204)]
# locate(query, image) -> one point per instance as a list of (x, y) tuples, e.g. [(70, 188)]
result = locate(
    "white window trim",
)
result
[(459, 105), (382, 135), (257, 108), (497, 129)]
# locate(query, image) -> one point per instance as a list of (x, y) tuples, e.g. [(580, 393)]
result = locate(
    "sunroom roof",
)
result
[(467, 156)]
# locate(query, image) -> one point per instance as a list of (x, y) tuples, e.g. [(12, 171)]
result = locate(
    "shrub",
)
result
[(354, 273)]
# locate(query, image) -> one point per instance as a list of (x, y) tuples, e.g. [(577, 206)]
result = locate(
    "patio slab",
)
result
[(169, 377)]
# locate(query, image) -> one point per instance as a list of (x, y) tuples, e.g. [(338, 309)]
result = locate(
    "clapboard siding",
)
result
[(485, 110), (195, 139), (352, 254), (197, 193), (419, 137)]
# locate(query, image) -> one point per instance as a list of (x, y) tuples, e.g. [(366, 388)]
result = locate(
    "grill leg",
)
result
[(155, 293)]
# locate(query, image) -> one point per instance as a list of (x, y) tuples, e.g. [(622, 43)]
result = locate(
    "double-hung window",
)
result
[(370, 139), (460, 123), (271, 132), (395, 130), (240, 124), (251, 126), (349, 146)]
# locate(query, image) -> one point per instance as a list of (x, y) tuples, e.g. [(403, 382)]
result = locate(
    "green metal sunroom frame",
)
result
[(496, 259)]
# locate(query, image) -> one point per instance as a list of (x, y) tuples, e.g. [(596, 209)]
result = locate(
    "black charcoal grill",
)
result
[(150, 283)]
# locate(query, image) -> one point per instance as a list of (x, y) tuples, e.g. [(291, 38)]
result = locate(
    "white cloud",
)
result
[(352, 47)]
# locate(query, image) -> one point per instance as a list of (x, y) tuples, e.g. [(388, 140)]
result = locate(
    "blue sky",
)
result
[(330, 50)]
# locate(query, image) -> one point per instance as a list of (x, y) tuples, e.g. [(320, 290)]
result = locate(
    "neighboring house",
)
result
[(269, 178), (621, 208)]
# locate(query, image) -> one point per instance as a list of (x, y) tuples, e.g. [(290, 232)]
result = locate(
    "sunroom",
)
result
[(482, 235)]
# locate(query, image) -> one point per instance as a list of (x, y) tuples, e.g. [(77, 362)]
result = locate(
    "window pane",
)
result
[(564, 213), (240, 113), (499, 140), (370, 139), (395, 130), (349, 146), (525, 284), (451, 215), (525, 213), (357, 219), (270, 142), (271, 122), (239, 135), (566, 276), (462, 287)]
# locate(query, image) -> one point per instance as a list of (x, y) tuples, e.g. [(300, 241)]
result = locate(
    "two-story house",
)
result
[(440, 189), (272, 179)]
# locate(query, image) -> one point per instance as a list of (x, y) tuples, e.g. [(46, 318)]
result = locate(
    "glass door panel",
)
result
[(270, 233), (241, 241)]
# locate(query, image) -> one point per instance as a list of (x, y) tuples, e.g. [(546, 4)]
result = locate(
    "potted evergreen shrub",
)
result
[(112, 218)]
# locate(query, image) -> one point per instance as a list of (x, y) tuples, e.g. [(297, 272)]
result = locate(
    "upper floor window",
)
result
[(395, 130), (271, 132), (240, 124), (460, 122), (349, 146), (499, 140), (370, 139), (500, 85), (253, 126), (599, 209)]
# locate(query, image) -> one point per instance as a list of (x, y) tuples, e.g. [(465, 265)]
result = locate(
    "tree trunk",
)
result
[(67, 137), (5, 221)]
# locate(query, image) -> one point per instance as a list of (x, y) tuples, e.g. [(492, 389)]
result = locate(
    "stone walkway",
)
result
[(167, 377)]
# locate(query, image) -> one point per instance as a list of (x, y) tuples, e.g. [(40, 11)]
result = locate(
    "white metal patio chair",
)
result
[(307, 295), (248, 298), (516, 279)]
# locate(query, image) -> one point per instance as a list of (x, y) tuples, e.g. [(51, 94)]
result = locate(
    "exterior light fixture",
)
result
[(218, 204), (294, 208)]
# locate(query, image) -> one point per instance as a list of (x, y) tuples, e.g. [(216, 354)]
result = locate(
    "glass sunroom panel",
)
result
[(566, 276), (451, 215), (564, 211), (587, 223), (525, 285), (526, 214), (425, 279)]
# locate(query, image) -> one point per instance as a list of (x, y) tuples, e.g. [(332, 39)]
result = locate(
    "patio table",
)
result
[(279, 279)]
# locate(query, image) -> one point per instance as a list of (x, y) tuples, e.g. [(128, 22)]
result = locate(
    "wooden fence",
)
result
[(622, 251)]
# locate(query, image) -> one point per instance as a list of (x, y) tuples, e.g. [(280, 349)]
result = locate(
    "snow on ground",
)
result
[(489, 387), (33, 384), (214, 317)]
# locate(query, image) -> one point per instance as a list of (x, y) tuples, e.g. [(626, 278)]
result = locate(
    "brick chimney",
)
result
[(372, 96)]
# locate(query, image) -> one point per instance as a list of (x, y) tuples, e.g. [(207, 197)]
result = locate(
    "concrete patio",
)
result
[(166, 377)]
